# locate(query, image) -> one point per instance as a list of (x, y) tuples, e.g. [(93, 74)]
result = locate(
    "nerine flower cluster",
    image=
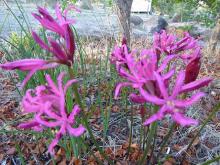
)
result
[(62, 52), (159, 79), (47, 103), (154, 73)]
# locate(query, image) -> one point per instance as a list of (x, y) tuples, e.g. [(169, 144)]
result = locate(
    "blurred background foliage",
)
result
[(203, 11)]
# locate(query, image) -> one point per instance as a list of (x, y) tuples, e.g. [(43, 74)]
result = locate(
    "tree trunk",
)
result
[(124, 13)]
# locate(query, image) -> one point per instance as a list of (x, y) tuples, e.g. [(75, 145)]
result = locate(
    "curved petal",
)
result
[(165, 62), (76, 131), (157, 116), (28, 124), (196, 84), (137, 99), (168, 75), (28, 77), (24, 64), (55, 141), (178, 85), (69, 83), (190, 101), (151, 98), (161, 85), (183, 120), (51, 84), (119, 86), (40, 41), (57, 50), (75, 111), (49, 124)]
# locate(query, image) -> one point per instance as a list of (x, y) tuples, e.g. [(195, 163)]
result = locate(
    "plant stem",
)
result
[(75, 89), (152, 131), (131, 132), (151, 135), (163, 143), (212, 161), (84, 117)]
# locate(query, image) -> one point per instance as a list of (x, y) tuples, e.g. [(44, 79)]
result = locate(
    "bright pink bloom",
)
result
[(31, 65), (47, 103), (170, 104), (168, 43), (138, 71), (151, 74), (48, 22), (61, 26)]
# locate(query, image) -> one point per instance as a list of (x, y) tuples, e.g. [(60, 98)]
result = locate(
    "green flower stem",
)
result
[(152, 132), (90, 151), (166, 138), (84, 117), (131, 132), (212, 161), (75, 89)]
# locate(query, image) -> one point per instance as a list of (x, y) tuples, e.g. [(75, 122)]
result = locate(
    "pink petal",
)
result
[(137, 99), (51, 84), (179, 83), (45, 13), (183, 120), (24, 64), (69, 83), (49, 124), (55, 141), (161, 85), (62, 95), (76, 131), (48, 111), (196, 84), (157, 116), (168, 75), (28, 124), (190, 101), (151, 98), (28, 77), (165, 62), (57, 50), (70, 42), (75, 111), (58, 13), (119, 86), (40, 41)]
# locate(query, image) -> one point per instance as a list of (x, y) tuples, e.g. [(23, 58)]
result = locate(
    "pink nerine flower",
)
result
[(168, 43), (138, 71), (170, 104), (47, 103), (64, 53), (31, 65)]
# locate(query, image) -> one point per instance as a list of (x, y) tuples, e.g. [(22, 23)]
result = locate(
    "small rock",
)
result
[(136, 20), (84, 4), (161, 25)]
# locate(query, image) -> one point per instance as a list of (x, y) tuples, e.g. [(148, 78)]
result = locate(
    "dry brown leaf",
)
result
[(11, 151), (170, 161), (115, 109)]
